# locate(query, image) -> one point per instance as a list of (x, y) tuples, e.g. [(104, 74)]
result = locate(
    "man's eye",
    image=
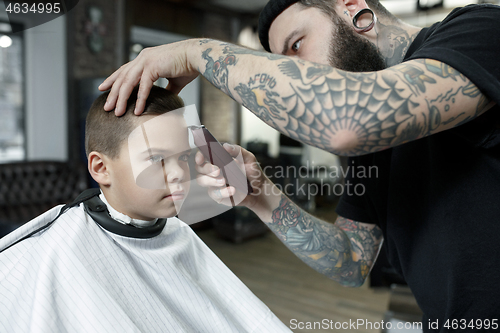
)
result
[(156, 158), (296, 45)]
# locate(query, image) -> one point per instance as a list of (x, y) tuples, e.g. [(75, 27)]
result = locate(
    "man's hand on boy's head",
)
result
[(210, 176), (166, 61)]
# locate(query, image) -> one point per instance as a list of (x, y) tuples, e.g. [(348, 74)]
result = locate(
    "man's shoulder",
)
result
[(471, 16), (473, 8), (462, 15)]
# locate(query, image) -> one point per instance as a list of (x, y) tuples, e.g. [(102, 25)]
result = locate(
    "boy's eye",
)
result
[(296, 45), (156, 159), (184, 157)]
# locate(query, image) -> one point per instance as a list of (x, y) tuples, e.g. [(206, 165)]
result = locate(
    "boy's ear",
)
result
[(98, 168)]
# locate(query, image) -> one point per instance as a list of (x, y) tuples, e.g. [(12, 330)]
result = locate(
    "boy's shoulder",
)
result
[(53, 230), (30, 229), (34, 228)]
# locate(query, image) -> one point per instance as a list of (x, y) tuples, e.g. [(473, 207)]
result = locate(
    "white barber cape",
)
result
[(77, 277)]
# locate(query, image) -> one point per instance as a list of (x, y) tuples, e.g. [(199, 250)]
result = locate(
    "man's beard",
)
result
[(351, 52)]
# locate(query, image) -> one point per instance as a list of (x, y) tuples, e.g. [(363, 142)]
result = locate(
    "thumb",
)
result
[(233, 150), (238, 152)]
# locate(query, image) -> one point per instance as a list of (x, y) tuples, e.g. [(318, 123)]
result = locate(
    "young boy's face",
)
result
[(150, 178)]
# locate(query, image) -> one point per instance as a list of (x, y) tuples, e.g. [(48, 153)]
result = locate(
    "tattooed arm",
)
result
[(341, 112), (344, 251)]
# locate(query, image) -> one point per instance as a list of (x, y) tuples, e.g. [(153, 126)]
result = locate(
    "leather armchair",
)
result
[(27, 189)]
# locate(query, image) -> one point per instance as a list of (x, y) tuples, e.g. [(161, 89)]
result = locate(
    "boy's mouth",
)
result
[(177, 195)]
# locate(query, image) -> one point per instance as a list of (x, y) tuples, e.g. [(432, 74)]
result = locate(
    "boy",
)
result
[(120, 262)]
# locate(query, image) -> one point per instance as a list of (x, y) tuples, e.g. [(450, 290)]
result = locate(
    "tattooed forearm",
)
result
[(343, 251), (313, 72), (443, 70), (205, 41), (263, 79), (233, 49), (217, 71), (265, 103), (342, 112), (415, 77)]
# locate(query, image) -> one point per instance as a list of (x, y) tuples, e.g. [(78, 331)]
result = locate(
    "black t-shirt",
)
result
[(437, 199)]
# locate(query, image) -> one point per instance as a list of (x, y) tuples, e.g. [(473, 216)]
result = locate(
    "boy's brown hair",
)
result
[(105, 132)]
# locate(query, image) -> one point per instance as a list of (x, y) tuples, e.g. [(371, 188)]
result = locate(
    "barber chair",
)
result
[(28, 189)]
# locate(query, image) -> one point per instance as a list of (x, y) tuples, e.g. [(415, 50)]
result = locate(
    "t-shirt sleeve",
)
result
[(468, 40)]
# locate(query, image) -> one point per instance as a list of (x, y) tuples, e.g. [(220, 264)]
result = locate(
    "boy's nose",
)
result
[(173, 172)]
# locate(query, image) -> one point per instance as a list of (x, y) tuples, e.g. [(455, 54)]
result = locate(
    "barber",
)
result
[(418, 104)]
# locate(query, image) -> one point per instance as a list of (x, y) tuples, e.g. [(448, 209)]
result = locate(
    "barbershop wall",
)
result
[(45, 89), (96, 39)]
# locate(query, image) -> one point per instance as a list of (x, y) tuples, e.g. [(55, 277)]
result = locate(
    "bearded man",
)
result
[(420, 105)]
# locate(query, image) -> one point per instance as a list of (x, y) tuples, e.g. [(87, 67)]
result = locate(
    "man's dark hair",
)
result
[(105, 132), (328, 7)]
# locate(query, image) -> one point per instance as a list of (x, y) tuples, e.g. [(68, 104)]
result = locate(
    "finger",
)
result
[(245, 160), (117, 78), (144, 88), (111, 99), (204, 167), (106, 84), (222, 194), (207, 181), (236, 152), (208, 169), (248, 157), (233, 150), (113, 94), (131, 79), (199, 158)]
